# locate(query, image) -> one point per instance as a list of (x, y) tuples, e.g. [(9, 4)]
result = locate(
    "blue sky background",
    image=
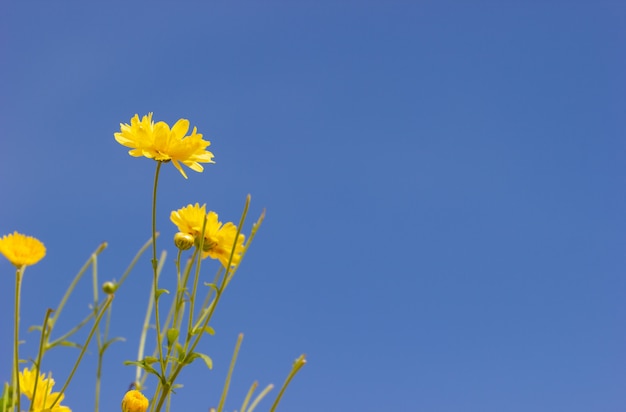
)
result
[(444, 186)]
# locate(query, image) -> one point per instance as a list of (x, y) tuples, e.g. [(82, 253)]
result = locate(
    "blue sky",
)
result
[(444, 187)]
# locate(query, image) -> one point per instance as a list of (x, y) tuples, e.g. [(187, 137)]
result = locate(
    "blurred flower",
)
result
[(22, 250), (159, 142), (218, 238), (41, 396), (134, 401)]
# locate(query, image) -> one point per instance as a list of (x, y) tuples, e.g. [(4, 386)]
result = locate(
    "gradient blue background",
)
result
[(444, 186)]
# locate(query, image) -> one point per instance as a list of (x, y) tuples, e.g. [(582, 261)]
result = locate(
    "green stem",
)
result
[(50, 345), (220, 407), (16, 335), (107, 303), (154, 270), (102, 346), (146, 326), (134, 261), (44, 332), (78, 276), (249, 395), (259, 397), (297, 365)]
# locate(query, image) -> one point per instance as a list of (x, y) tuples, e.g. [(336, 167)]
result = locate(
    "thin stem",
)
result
[(107, 303), (135, 260), (192, 295), (249, 395), (50, 345), (297, 365), (102, 346), (44, 331), (220, 407), (259, 397), (154, 269), (146, 326), (16, 335), (78, 276)]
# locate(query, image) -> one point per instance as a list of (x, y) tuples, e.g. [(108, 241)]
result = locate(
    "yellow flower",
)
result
[(218, 238), (42, 396), (134, 401), (159, 142), (189, 219), (22, 250)]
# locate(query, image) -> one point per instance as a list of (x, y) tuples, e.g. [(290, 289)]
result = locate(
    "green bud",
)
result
[(109, 288), (172, 335)]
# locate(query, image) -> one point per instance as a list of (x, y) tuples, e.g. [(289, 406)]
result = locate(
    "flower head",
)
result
[(189, 219), (219, 239), (36, 387), (134, 401), (22, 250), (162, 143)]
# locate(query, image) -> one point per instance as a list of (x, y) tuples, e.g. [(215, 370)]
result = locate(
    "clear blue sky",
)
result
[(444, 187)]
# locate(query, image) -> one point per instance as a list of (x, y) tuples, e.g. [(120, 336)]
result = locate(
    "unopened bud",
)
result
[(183, 241), (109, 288)]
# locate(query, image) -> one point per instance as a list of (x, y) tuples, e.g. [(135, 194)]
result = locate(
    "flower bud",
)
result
[(183, 241), (109, 287), (134, 401)]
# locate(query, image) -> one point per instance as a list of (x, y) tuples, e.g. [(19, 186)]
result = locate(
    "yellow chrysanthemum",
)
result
[(22, 250), (134, 401), (42, 396), (189, 219), (218, 238), (27, 381), (159, 142)]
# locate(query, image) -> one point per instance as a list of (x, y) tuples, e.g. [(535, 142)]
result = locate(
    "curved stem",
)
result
[(297, 365), (154, 270)]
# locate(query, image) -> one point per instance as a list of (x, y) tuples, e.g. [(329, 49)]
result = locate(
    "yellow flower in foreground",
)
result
[(41, 396), (159, 142), (22, 250), (134, 401), (218, 238)]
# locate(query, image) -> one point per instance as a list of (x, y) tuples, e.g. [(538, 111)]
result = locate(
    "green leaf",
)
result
[(159, 292), (206, 329), (145, 366), (35, 327), (212, 286), (70, 344), (110, 341), (149, 360), (195, 355)]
